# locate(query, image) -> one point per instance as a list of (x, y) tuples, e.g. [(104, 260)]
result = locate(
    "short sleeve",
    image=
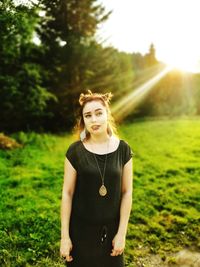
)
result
[(128, 153), (71, 155)]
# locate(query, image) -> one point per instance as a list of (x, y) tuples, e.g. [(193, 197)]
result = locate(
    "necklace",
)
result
[(102, 189)]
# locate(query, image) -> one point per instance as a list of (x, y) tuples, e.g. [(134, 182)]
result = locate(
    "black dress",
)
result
[(94, 219)]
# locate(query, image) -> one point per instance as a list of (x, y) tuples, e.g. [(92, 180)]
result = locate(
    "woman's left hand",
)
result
[(118, 245)]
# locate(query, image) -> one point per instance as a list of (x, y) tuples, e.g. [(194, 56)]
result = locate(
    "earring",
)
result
[(109, 130), (83, 134)]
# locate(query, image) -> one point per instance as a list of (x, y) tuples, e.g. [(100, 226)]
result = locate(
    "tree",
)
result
[(67, 35), (22, 97), (150, 57), (174, 95)]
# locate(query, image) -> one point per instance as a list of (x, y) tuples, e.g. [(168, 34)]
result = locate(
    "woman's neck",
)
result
[(99, 139)]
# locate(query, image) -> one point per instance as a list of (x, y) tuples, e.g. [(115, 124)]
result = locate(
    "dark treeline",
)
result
[(40, 83)]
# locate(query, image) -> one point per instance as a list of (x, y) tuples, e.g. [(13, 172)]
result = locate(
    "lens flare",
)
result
[(124, 106)]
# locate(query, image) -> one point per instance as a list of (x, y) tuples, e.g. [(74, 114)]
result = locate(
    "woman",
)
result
[(97, 190)]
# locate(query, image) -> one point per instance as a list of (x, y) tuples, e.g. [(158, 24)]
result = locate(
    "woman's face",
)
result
[(95, 117)]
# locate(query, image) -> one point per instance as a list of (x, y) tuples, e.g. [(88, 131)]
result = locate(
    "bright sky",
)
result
[(173, 26)]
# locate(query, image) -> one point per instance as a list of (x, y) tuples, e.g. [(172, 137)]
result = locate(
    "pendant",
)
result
[(102, 190)]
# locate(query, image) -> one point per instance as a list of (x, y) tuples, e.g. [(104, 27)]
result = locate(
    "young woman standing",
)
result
[(97, 189)]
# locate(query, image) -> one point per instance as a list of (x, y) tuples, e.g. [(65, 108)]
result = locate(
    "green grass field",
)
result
[(166, 199)]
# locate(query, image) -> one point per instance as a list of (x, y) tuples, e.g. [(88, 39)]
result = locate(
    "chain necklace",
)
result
[(102, 189)]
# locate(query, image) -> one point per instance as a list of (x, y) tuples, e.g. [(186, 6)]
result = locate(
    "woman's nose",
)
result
[(93, 118)]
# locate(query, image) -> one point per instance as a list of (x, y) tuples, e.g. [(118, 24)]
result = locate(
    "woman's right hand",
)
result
[(65, 249)]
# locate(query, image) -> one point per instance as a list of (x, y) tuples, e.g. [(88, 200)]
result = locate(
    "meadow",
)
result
[(165, 217)]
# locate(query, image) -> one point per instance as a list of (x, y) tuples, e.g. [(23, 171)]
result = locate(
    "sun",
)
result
[(173, 28), (184, 58), (183, 63)]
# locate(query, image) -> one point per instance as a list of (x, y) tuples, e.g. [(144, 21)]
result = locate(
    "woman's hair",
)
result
[(88, 97)]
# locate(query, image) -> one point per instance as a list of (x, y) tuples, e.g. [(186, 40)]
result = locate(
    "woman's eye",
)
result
[(99, 113), (87, 116)]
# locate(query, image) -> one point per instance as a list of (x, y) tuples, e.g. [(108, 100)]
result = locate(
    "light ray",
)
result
[(123, 107)]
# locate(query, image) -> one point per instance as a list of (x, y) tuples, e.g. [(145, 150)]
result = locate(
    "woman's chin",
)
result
[(97, 132)]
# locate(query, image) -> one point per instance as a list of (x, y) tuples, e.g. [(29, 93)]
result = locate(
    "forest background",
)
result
[(50, 53)]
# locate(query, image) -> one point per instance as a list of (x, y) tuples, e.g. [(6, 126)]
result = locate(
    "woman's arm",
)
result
[(66, 205), (125, 208), (126, 202)]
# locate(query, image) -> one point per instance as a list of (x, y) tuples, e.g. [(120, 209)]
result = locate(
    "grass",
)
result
[(166, 201)]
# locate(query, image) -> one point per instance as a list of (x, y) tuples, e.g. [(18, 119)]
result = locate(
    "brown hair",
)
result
[(88, 97)]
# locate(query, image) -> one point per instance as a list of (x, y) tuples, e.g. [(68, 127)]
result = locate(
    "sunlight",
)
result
[(184, 66), (173, 28), (124, 106), (183, 62)]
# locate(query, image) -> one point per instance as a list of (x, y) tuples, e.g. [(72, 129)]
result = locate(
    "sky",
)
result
[(173, 26)]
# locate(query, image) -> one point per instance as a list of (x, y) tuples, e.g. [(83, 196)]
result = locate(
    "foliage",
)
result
[(23, 97), (66, 32), (7, 142), (165, 215), (147, 61), (177, 94), (40, 84)]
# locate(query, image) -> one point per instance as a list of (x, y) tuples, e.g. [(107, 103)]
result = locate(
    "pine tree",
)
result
[(23, 98)]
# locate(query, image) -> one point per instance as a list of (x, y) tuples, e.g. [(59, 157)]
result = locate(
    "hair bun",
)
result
[(89, 96), (107, 97)]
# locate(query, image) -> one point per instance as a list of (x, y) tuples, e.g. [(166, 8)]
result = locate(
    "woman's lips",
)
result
[(95, 127)]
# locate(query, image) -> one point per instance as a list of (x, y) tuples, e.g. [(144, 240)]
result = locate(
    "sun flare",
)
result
[(173, 28), (181, 60), (185, 66), (182, 56)]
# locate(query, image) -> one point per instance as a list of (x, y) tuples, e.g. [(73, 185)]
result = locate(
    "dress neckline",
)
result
[(104, 153)]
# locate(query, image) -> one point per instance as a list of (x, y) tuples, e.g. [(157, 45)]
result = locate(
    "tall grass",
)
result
[(166, 198)]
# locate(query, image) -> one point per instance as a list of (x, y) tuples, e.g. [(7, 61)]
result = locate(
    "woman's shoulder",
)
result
[(126, 151), (74, 146), (124, 143), (120, 143), (72, 152), (126, 147)]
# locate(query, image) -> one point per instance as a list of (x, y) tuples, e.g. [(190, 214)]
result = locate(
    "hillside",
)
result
[(166, 199)]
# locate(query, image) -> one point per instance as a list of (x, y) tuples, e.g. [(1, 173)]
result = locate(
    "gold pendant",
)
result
[(102, 190)]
